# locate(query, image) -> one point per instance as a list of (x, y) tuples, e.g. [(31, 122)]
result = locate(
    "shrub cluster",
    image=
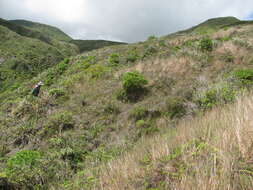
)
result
[(133, 82)]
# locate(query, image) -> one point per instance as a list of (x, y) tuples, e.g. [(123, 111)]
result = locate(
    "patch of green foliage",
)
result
[(23, 168), (133, 82), (133, 86), (244, 74), (214, 96)]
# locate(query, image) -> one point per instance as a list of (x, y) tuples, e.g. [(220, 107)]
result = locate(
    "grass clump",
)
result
[(206, 44)]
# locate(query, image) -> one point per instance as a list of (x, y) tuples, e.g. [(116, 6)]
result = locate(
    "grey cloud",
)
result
[(131, 20)]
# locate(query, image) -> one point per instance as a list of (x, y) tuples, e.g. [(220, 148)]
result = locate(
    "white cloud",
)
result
[(131, 20)]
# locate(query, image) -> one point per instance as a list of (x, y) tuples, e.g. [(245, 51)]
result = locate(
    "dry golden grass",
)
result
[(224, 163)]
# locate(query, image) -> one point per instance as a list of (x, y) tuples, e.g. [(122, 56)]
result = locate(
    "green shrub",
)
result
[(219, 95), (175, 107), (133, 82), (114, 59), (57, 92), (133, 87), (206, 44), (244, 74), (22, 159)]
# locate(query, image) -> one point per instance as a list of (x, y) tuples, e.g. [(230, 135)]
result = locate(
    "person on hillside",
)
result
[(36, 89)]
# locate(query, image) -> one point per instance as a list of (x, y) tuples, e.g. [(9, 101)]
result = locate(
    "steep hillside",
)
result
[(49, 31), (159, 114)]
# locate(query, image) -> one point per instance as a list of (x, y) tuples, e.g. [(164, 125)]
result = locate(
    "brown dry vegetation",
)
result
[(222, 158)]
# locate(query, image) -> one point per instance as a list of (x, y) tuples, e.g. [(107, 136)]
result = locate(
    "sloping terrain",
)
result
[(159, 114)]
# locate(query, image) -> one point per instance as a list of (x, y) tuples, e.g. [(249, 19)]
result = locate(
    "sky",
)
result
[(123, 20)]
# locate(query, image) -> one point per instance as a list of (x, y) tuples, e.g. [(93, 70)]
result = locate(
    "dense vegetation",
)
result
[(168, 113)]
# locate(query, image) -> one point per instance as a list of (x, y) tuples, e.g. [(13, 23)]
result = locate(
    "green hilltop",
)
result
[(50, 31), (167, 113)]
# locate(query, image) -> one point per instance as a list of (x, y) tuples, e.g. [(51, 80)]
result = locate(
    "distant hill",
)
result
[(88, 45), (47, 30), (24, 31)]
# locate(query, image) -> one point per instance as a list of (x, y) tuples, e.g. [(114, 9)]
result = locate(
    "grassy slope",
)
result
[(79, 125)]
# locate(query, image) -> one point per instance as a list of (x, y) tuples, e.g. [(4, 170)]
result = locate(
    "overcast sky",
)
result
[(123, 20)]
